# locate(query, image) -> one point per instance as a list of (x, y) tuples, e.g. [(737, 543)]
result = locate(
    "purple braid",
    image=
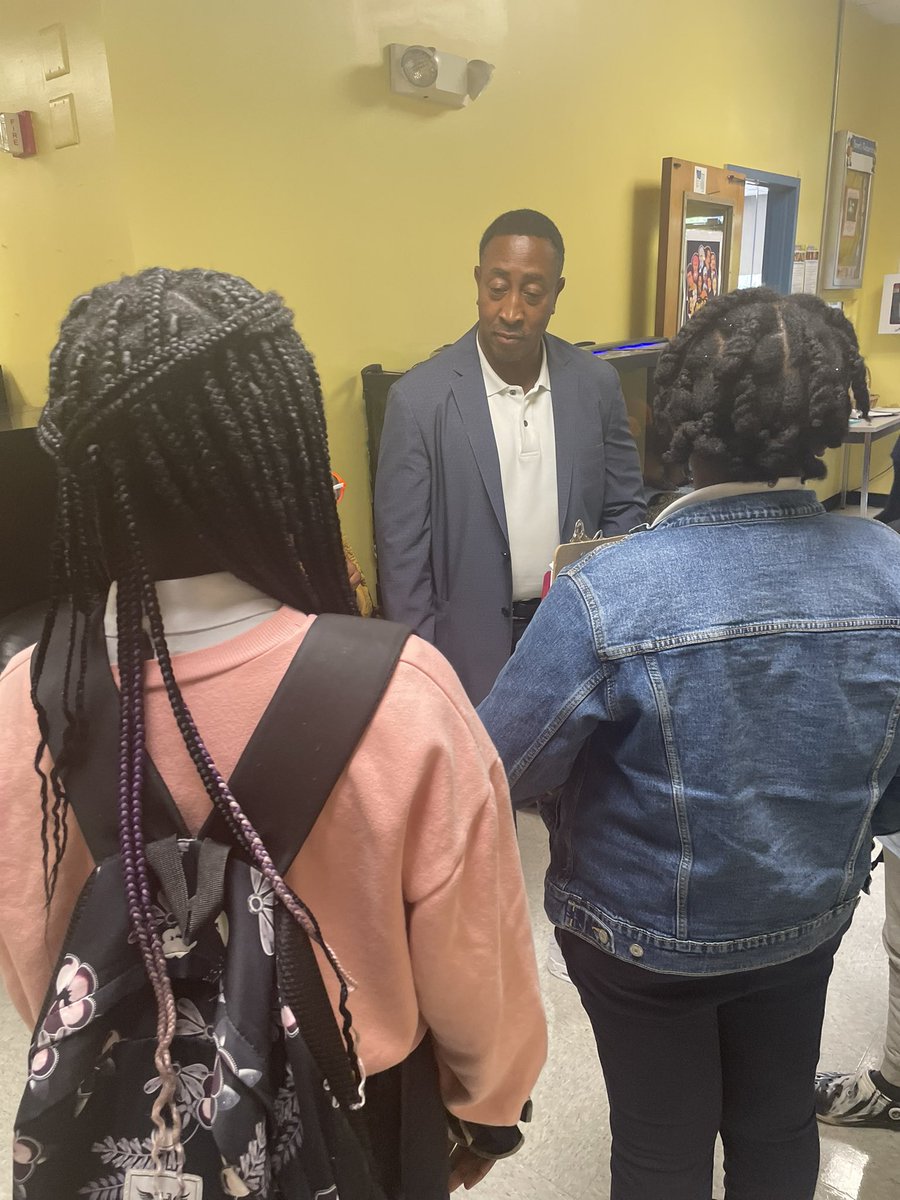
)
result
[(131, 834), (146, 599), (222, 798), (137, 889)]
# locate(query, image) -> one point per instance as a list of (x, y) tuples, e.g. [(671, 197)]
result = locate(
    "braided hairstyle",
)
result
[(760, 383), (188, 395)]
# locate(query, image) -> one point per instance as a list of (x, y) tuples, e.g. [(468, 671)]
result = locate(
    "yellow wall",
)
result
[(869, 104), (262, 138), (63, 225), (883, 258)]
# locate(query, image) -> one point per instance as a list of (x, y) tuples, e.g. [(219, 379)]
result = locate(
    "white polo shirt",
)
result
[(526, 447)]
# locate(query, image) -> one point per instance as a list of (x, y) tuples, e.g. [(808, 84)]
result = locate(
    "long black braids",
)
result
[(189, 393), (760, 383)]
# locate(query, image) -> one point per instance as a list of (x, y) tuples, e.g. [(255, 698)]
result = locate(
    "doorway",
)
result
[(770, 228)]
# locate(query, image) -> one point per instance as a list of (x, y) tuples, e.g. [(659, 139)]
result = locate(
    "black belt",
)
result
[(524, 610)]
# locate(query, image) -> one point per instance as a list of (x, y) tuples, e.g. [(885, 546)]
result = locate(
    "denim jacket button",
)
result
[(636, 951), (601, 935)]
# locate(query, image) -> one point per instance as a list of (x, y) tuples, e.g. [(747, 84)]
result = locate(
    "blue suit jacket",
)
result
[(440, 522)]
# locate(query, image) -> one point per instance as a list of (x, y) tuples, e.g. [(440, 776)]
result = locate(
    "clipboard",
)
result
[(570, 552)]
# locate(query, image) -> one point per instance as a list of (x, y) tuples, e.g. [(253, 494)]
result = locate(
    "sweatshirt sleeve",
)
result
[(470, 940), (30, 935)]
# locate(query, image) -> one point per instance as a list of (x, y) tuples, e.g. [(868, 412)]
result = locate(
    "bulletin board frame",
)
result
[(850, 184), (695, 199)]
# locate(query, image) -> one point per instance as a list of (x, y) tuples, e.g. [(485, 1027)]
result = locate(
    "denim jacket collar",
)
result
[(726, 502)]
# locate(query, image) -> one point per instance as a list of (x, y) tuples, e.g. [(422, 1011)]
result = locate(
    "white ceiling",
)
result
[(882, 10)]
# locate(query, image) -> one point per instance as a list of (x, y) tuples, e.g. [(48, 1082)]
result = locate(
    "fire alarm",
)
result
[(17, 134)]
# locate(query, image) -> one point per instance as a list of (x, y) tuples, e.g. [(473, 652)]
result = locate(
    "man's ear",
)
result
[(560, 284), (478, 275)]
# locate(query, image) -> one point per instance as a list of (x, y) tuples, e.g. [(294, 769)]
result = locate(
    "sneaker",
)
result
[(556, 964), (855, 1100)]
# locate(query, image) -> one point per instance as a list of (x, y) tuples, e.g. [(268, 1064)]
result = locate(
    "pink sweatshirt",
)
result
[(412, 870)]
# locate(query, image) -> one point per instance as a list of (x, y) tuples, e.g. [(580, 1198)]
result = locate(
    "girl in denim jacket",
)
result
[(717, 699)]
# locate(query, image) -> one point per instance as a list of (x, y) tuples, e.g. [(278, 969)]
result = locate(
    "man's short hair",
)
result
[(524, 222)]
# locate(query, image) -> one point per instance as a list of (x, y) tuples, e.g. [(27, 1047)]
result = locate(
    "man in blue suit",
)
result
[(490, 453)]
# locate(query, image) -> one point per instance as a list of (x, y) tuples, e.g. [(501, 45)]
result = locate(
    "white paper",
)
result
[(852, 202), (799, 270), (700, 180), (811, 271)]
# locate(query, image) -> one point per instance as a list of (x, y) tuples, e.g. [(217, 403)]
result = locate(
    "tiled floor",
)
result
[(566, 1157)]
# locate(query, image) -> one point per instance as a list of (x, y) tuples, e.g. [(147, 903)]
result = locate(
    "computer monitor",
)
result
[(635, 363), (376, 383), (27, 506)]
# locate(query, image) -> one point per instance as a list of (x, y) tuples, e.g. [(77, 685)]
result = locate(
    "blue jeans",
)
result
[(688, 1057)]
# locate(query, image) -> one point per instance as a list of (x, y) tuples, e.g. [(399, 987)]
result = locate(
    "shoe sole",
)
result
[(870, 1123)]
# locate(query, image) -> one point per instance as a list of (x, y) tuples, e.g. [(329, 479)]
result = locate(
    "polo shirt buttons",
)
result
[(636, 951)]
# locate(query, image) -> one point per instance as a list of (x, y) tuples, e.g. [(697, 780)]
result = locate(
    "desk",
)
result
[(866, 432)]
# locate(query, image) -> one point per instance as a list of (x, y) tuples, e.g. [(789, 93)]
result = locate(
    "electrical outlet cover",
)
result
[(63, 123), (54, 52)]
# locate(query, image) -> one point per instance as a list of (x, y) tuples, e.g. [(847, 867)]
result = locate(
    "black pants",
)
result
[(688, 1057)]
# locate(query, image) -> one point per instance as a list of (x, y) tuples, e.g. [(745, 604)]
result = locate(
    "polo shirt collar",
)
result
[(495, 386)]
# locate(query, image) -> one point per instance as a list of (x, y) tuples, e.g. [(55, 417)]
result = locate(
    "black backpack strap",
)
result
[(283, 779), (92, 777), (310, 729)]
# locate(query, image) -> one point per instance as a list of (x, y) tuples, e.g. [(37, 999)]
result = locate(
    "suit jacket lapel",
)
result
[(563, 395), (467, 385)]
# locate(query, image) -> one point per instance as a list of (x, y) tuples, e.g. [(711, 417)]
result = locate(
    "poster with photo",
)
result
[(702, 267), (890, 305), (852, 199), (853, 227)]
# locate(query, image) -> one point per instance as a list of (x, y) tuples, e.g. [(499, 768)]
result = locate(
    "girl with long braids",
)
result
[(718, 699), (197, 531)]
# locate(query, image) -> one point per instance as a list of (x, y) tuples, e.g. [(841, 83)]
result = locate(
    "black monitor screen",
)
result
[(635, 364), (27, 504)]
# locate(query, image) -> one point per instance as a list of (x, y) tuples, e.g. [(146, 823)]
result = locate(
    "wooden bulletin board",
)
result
[(850, 182), (701, 212)]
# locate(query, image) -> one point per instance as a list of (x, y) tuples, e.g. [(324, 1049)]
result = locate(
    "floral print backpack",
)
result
[(269, 1103)]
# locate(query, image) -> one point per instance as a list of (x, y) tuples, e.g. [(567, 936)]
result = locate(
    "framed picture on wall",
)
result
[(890, 305), (698, 229), (849, 203)]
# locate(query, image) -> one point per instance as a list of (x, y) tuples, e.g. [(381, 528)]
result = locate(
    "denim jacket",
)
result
[(718, 699)]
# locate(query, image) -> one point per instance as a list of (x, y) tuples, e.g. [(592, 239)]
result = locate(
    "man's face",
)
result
[(518, 283)]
